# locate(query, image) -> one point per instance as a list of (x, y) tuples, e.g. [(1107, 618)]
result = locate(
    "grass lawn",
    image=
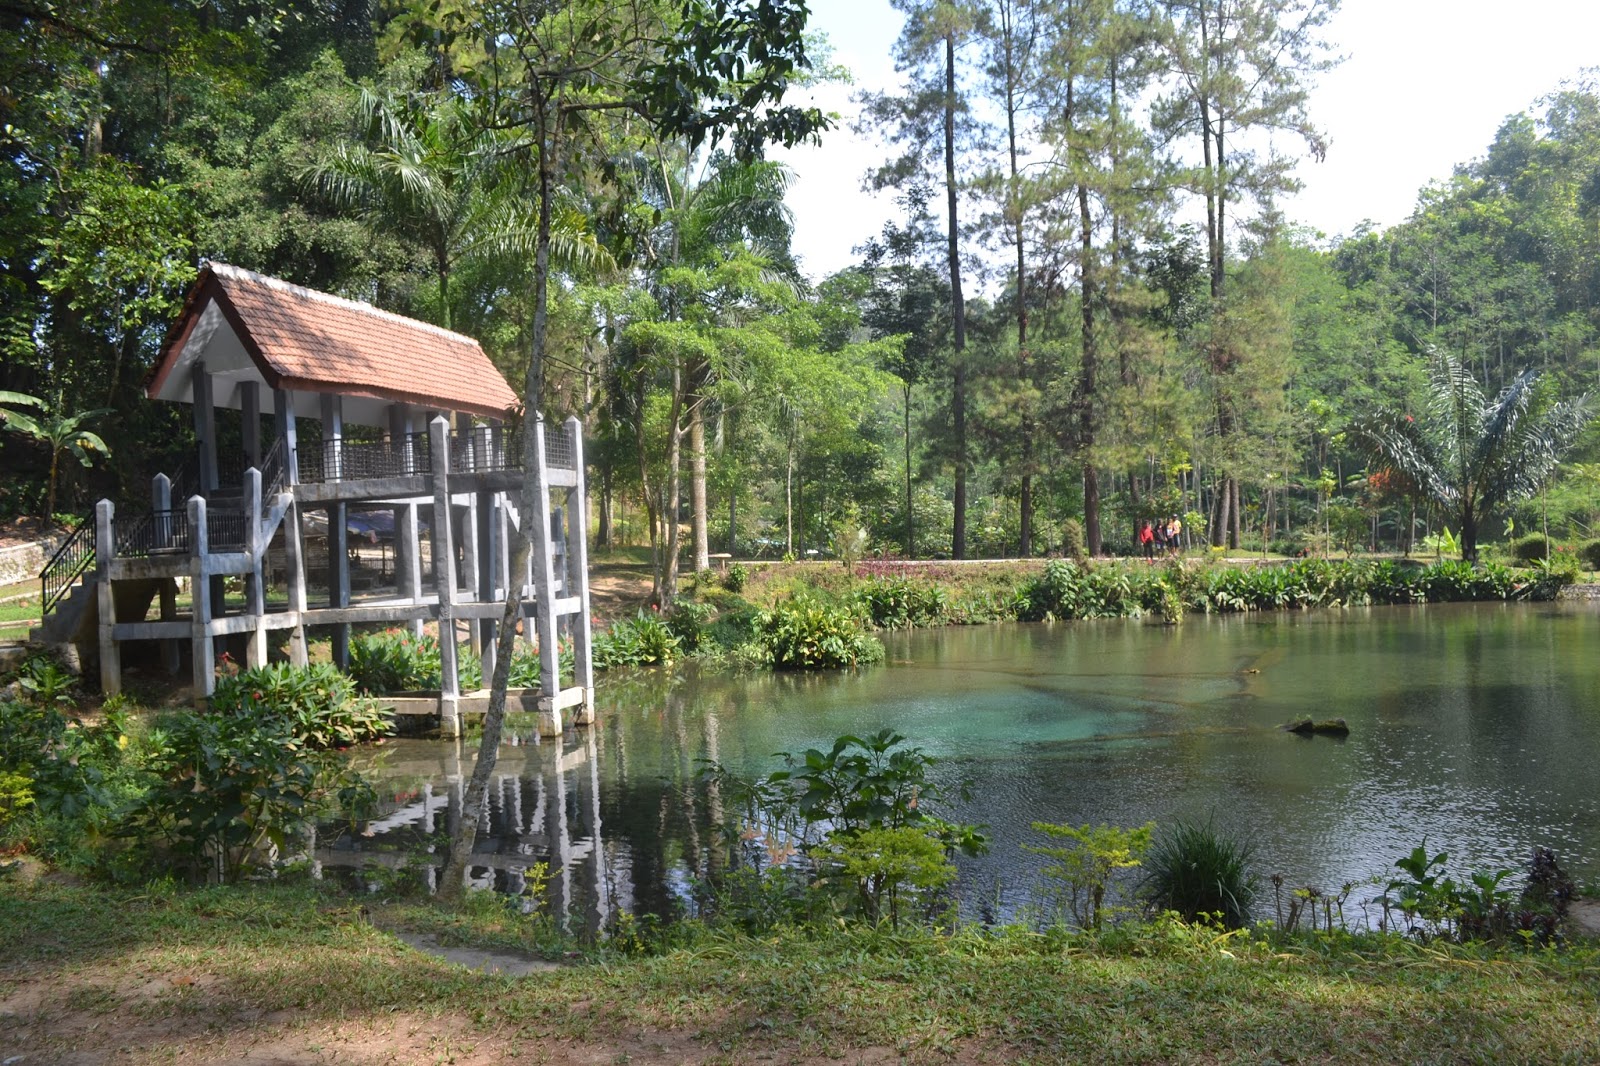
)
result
[(292, 974)]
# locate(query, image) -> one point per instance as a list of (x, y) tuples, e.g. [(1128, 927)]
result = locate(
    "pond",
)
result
[(1475, 727)]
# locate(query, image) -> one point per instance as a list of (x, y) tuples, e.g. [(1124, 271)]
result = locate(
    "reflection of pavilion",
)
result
[(365, 413), (544, 806)]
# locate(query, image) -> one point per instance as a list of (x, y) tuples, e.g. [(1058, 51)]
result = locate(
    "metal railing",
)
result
[(168, 532), (152, 533), (558, 449), (274, 470), (75, 555), (344, 460), (482, 449)]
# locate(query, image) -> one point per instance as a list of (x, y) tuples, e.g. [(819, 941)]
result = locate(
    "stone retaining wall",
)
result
[(22, 562), (1581, 592)]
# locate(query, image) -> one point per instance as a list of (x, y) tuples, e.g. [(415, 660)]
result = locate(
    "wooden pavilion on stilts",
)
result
[(395, 429)]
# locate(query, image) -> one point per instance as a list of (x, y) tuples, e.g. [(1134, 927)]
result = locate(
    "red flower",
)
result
[(255, 696)]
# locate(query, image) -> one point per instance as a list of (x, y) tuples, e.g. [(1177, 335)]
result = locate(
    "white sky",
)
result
[(1423, 88)]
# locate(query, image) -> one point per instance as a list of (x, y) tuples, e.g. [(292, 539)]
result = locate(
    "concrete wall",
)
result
[(22, 562)]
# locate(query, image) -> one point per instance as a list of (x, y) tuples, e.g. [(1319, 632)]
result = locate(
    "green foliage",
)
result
[(395, 660), (890, 868), (902, 603), (805, 634), (317, 704), (1533, 547), (736, 577), (1073, 544), (1199, 873), (16, 795), (1085, 861), (1590, 554), (1433, 905), (644, 640), (240, 790)]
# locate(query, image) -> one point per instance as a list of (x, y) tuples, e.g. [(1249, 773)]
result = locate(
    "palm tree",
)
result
[(59, 432), (1470, 454), (429, 174)]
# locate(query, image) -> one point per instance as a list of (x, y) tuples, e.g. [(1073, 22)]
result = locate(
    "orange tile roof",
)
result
[(313, 342)]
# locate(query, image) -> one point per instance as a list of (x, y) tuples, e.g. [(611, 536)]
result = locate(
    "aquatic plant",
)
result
[(1198, 872)]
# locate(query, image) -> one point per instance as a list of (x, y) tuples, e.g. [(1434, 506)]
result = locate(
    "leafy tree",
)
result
[(61, 433), (1471, 454)]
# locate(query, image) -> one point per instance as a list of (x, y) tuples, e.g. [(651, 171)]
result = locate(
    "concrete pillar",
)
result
[(255, 546), (488, 558), (444, 579), (161, 537), (250, 421), (470, 570), (205, 427), (105, 550), (202, 644), (338, 535), (284, 426), (544, 584), (578, 578)]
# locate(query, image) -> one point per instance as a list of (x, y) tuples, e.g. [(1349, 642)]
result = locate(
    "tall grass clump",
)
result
[(1197, 871)]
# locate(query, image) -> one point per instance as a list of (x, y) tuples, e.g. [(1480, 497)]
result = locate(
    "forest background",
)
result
[(1093, 311)]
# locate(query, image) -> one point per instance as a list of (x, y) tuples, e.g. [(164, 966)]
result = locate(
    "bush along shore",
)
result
[(815, 616), (826, 928)]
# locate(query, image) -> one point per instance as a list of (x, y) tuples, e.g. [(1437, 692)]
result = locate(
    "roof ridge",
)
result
[(228, 270)]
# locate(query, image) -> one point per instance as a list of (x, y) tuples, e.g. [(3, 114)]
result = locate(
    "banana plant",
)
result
[(61, 433)]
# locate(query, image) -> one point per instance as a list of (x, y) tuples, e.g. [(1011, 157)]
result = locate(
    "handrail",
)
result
[(67, 564), (273, 470)]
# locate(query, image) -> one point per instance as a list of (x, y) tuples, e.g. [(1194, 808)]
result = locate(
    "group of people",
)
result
[(1160, 536)]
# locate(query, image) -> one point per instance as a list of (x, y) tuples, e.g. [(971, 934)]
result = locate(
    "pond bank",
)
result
[(289, 974)]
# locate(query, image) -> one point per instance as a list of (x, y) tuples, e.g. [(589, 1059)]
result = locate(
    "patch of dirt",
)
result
[(618, 591), (24, 531), (1585, 916)]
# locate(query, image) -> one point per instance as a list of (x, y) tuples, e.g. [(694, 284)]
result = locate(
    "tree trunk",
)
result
[(958, 398), (697, 466), (911, 539)]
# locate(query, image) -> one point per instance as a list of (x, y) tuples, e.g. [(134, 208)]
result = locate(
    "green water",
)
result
[(1476, 727)]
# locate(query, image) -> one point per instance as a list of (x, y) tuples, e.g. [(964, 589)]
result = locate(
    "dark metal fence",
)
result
[(152, 533), (75, 555), (168, 532), (273, 470), (344, 460), (482, 449)]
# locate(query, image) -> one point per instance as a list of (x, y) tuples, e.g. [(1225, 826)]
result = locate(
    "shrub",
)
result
[(240, 789), (807, 635), (1590, 555), (1085, 861), (1196, 871), (394, 660), (316, 704), (889, 868), (736, 577), (639, 641), (397, 661), (901, 603), (1073, 542), (1533, 547)]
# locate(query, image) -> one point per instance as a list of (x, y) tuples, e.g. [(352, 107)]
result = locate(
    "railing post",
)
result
[(202, 643), (444, 579), (578, 574), (105, 549)]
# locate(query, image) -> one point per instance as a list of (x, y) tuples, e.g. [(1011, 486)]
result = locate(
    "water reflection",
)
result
[(1477, 727)]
